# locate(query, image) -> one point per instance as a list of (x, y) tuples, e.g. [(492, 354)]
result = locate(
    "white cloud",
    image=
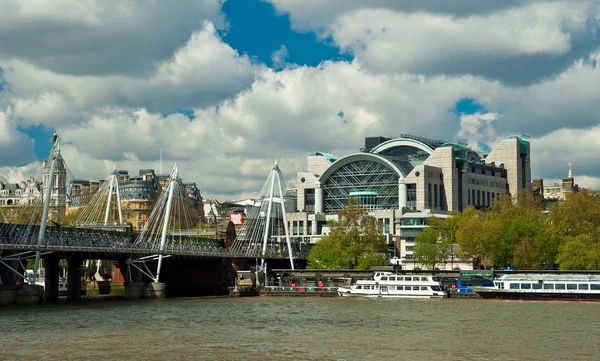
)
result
[(246, 114), (279, 57), (309, 15), (229, 149), (203, 71), (515, 42), (477, 128), (552, 152), (15, 147), (100, 36)]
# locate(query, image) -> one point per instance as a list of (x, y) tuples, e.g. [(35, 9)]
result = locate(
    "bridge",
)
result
[(37, 229)]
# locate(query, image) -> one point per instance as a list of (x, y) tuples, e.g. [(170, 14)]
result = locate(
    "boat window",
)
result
[(423, 278), (571, 286), (548, 286), (514, 286), (415, 288), (408, 278), (436, 288), (559, 286), (583, 287), (400, 288), (359, 287), (595, 286), (392, 288), (435, 279), (525, 286), (400, 278), (384, 278), (536, 286), (423, 288)]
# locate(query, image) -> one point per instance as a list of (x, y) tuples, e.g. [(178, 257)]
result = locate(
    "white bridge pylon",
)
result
[(103, 207), (101, 210), (266, 223), (166, 227)]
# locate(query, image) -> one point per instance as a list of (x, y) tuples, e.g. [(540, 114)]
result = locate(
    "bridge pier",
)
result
[(156, 290), (134, 285), (51, 276), (9, 290), (74, 279)]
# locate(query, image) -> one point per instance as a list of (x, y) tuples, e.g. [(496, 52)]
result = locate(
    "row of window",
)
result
[(481, 198), (436, 199), (434, 175), (384, 225), (394, 278), (553, 286), (394, 288), (9, 202), (487, 183)]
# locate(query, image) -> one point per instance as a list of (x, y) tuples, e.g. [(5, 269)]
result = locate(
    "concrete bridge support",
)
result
[(156, 290), (9, 290), (51, 276), (74, 275), (134, 286)]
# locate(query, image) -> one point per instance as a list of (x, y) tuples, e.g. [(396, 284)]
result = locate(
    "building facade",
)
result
[(396, 177), (558, 192), (138, 195)]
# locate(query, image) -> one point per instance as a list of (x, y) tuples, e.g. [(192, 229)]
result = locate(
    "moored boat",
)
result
[(536, 286), (394, 285)]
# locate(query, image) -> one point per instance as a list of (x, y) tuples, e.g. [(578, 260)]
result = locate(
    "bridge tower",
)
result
[(266, 225), (54, 176), (102, 210), (170, 227)]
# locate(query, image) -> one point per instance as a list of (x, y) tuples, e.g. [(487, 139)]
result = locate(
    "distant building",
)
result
[(32, 191), (393, 177), (138, 195), (559, 191)]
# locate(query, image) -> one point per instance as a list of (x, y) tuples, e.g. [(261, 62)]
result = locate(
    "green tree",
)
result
[(574, 229), (354, 241), (475, 233), (524, 255), (577, 253), (430, 247)]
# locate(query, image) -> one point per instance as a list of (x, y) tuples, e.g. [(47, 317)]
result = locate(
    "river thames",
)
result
[(326, 328)]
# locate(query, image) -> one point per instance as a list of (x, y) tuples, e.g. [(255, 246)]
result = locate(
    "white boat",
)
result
[(538, 286), (395, 285)]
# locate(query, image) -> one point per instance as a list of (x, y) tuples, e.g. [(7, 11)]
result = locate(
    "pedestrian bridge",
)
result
[(109, 242), (35, 228)]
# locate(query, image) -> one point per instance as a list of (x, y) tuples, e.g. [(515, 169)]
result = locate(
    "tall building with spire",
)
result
[(559, 191), (58, 197)]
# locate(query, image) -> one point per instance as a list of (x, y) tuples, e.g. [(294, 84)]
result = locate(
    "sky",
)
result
[(225, 88)]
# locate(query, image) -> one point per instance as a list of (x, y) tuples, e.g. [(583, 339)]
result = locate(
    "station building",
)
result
[(409, 178)]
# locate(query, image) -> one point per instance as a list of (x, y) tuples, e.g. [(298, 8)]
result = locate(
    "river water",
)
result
[(296, 328)]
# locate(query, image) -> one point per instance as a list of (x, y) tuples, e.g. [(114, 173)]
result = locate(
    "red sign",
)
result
[(236, 218)]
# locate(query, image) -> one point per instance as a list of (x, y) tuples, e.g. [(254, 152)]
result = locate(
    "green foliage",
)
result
[(519, 234), (354, 242), (431, 247), (577, 253)]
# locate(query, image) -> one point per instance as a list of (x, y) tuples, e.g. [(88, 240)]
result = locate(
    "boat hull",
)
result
[(535, 296), (344, 292)]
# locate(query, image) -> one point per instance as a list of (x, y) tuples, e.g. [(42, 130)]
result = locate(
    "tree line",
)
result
[(522, 234)]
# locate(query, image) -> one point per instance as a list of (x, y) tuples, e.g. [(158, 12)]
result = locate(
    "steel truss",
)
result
[(360, 176)]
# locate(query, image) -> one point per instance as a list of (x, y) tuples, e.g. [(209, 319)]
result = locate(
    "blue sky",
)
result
[(225, 87), (257, 30)]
